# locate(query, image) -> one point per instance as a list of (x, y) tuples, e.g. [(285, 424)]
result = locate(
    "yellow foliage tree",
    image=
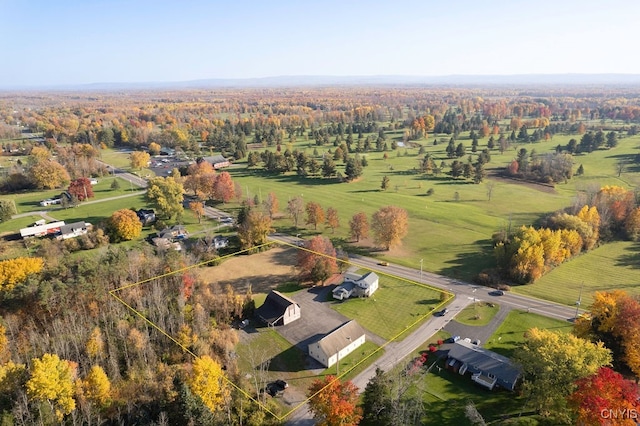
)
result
[(4, 344), (632, 224), (96, 387), (254, 229), (552, 362), (38, 154), (154, 148), (554, 253), (139, 159), (186, 336), (591, 217), (15, 271), (167, 195), (49, 175), (207, 382), (527, 264), (571, 242), (95, 343), (51, 380), (124, 225), (12, 377)]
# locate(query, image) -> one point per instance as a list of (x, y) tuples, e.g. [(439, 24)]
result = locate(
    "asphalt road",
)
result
[(465, 293)]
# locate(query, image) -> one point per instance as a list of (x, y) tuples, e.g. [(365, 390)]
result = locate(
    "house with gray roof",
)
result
[(278, 309), (73, 230), (356, 285), (338, 343), (487, 368)]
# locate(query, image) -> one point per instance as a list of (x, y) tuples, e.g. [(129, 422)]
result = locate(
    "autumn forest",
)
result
[(432, 167)]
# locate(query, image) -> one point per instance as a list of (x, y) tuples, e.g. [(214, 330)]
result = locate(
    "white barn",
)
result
[(337, 344)]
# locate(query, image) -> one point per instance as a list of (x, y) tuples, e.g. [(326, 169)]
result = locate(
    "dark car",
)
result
[(276, 388), (496, 293), (442, 313), (452, 339)]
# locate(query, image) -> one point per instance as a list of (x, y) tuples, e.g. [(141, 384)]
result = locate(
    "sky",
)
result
[(69, 42)]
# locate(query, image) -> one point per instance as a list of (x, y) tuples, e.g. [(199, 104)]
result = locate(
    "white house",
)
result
[(354, 285), (73, 230), (337, 344)]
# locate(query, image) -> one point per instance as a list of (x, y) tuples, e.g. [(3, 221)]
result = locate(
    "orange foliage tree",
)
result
[(49, 175), (334, 403), (614, 319), (271, 204), (359, 226), (318, 262), (315, 214), (223, 188), (81, 188), (333, 220), (390, 225), (606, 390)]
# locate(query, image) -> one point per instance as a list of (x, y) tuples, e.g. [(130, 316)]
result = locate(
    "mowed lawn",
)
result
[(613, 265), (394, 308), (510, 334), (446, 393)]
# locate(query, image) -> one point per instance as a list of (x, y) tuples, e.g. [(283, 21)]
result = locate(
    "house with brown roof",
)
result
[(278, 309), (337, 344)]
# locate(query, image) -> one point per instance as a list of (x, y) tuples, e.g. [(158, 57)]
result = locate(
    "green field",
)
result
[(394, 308), (613, 265), (30, 201), (510, 334), (452, 237)]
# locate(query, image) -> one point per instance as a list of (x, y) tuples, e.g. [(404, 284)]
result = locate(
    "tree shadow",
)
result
[(291, 360), (630, 258), (473, 259)]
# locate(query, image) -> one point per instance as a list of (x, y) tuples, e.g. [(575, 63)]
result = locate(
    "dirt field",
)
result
[(263, 271)]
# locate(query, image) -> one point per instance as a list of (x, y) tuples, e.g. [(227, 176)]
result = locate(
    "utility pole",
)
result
[(579, 301), (421, 269)]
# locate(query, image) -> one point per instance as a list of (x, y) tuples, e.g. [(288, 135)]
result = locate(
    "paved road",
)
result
[(465, 293)]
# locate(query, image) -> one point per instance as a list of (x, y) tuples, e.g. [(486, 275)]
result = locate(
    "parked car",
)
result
[(276, 388), (453, 339), (50, 201)]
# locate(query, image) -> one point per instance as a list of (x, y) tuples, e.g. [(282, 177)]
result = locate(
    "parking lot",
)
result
[(317, 319)]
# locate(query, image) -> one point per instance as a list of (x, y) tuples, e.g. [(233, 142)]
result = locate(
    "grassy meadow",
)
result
[(450, 232)]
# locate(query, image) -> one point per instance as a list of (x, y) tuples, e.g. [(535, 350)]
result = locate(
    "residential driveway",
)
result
[(484, 332), (317, 319)]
